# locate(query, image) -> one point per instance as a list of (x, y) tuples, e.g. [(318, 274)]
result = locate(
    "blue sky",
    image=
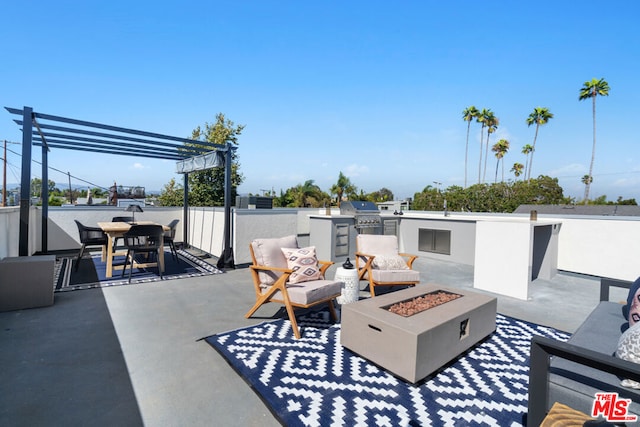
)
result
[(374, 89)]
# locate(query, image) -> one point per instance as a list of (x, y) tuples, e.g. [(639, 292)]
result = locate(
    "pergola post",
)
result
[(185, 214), (226, 258), (25, 181), (44, 194)]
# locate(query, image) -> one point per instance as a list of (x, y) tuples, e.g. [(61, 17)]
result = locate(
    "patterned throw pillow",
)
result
[(304, 264), (629, 349), (632, 310), (389, 262)]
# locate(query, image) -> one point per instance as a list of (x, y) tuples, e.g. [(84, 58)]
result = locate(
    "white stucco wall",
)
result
[(604, 246), (599, 246)]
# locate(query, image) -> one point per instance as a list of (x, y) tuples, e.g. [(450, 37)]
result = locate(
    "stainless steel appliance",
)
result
[(366, 216)]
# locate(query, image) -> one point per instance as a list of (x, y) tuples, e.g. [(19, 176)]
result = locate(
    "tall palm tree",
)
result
[(539, 116), (517, 169), (491, 122), (591, 89), (481, 118), (468, 114), (526, 150), (500, 148)]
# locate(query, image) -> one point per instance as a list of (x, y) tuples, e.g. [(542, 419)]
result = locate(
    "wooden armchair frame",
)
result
[(263, 297), (364, 265)]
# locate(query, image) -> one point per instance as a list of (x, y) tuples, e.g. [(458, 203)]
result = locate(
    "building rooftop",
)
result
[(593, 210), (134, 355)]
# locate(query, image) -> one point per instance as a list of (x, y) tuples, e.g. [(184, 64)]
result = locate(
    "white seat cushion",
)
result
[(396, 275), (309, 292)]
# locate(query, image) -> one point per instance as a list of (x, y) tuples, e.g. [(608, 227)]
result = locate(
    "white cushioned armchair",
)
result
[(379, 261), (286, 274)]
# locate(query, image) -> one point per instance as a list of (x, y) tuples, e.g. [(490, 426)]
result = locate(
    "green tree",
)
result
[(622, 201), (468, 114), (172, 194), (308, 195), (517, 169), (381, 195), (429, 199), (591, 89), (498, 197), (539, 117), (54, 201), (206, 188), (36, 187), (500, 148), (342, 188)]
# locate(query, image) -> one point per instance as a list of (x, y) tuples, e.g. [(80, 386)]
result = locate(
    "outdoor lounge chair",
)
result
[(296, 280), (378, 260), (91, 236), (143, 239)]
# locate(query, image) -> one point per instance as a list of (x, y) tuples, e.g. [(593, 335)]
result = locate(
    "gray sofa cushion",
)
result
[(575, 385)]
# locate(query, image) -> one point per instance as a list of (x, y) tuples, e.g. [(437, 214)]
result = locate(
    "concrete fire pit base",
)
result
[(416, 346)]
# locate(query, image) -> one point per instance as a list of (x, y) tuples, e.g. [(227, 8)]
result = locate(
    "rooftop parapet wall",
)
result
[(596, 245)]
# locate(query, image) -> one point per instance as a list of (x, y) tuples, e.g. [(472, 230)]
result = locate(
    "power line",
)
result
[(63, 172)]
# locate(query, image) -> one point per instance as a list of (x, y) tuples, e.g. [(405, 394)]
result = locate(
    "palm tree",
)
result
[(482, 118), (468, 114), (591, 89), (517, 169), (491, 122), (500, 148), (539, 116), (526, 150), (302, 193), (342, 187)]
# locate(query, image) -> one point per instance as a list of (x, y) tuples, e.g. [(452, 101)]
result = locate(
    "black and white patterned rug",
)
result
[(92, 271), (315, 381)]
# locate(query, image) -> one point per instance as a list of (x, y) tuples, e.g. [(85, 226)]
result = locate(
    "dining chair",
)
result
[(169, 236), (90, 236), (143, 239), (127, 219)]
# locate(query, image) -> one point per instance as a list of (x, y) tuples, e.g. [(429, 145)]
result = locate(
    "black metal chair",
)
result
[(90, 236), (143, 239), (127, 219), (169, 235), (122, 219)]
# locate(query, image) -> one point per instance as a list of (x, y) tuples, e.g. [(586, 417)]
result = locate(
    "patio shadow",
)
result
[(63, 365)]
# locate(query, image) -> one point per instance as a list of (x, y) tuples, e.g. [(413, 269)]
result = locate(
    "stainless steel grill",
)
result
[(365, 214)]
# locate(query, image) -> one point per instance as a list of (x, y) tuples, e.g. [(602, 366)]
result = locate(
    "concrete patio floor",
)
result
[(133, 355)]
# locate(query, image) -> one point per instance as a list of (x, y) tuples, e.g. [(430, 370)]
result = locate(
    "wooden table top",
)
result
[(116, 227)]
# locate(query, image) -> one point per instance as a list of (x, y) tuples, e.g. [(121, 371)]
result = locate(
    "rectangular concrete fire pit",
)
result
[(413, 347)]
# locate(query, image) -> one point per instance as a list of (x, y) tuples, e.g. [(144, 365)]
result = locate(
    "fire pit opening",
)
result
[(420, 303)]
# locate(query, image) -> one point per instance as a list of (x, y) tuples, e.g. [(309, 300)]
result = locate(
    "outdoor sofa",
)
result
[(585, 365)]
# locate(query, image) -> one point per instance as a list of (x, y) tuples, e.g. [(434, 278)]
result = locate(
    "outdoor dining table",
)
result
[(114, 230)]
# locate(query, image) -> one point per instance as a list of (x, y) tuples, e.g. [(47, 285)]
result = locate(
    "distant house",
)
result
[(396, 205), (597, 210)]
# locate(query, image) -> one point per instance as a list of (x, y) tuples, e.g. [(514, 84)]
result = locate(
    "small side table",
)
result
[(350, 285)]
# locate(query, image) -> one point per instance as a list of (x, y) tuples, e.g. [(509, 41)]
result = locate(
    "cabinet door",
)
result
[(341, 240)]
